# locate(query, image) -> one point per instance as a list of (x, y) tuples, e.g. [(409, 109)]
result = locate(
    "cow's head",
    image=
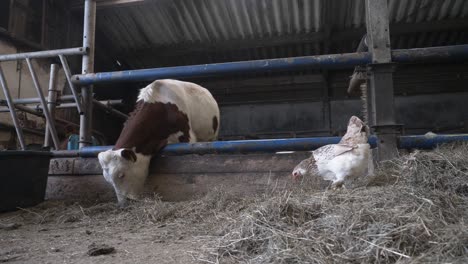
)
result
[(126, 171)]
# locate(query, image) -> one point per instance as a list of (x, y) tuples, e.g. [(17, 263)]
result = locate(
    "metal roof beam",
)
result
[(395, 30), (108, 3)]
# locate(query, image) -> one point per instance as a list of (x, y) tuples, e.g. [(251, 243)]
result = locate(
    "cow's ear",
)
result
[(128, 154)]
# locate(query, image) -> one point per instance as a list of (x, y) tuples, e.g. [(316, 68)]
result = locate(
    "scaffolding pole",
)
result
[(332, 61), (89, 28), (49, 118), (66, 70), (14, 117), (36, 100), (44, 54), (51, 101), (272, 145)]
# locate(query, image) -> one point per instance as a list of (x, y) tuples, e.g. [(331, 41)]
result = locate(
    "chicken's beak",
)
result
[(295, 176)]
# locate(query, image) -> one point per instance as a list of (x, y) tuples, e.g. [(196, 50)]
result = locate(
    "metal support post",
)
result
[(49, 118), (14, 118), (380, 73), (51, 101), (88, 67)]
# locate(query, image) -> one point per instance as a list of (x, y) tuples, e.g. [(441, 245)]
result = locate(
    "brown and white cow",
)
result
[(167, 111)]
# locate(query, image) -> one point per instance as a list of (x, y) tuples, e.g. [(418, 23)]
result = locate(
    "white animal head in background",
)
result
[(126, 171), (357, 132)]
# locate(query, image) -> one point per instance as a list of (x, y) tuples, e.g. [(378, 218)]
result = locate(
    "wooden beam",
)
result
[(378, 30), (380, 92)]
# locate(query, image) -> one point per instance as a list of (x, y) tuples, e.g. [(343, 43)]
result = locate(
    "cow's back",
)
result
[(193, 100)]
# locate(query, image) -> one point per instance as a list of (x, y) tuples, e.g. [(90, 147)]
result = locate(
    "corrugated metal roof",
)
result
[(164, 33)]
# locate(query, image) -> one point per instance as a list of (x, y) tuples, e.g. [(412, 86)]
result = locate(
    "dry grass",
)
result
[(414, 211), (418, 218)]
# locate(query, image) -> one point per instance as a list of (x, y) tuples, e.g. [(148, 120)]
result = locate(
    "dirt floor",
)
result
[(56, 232), (413, 211), (149, 231)]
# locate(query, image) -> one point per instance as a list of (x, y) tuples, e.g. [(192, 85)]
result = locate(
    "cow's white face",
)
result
[(126, 171)]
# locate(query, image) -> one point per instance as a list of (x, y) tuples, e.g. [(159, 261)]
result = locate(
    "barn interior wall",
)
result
[(428, 98), (444, 113)]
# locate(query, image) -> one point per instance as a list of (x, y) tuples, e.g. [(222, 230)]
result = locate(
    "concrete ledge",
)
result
[(177, 178), (89, 188)]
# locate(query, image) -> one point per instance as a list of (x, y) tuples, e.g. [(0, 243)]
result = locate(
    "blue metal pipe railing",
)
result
[(273, 145), (428, 141), (346, 60)]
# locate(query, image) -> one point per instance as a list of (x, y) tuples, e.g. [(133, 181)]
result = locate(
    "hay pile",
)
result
[(417, 217)]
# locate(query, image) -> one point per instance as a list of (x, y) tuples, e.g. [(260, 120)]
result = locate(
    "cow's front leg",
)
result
[(193, 138)]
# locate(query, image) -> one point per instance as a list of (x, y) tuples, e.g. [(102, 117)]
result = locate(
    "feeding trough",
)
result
[(24, 178)]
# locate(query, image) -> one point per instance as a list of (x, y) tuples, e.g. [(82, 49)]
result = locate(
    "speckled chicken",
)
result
[(348, 159)]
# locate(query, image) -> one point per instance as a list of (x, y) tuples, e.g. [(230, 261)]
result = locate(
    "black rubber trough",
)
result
[(23, 176)]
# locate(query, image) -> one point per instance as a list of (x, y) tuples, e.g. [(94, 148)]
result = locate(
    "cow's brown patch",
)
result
[(215, 124), (149, 126)]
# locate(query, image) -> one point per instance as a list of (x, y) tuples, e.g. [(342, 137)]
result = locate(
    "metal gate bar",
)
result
[(273, 145), (11, 106), (49, 119)]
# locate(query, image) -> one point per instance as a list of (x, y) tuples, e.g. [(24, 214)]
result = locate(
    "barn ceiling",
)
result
[(154, 33)]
